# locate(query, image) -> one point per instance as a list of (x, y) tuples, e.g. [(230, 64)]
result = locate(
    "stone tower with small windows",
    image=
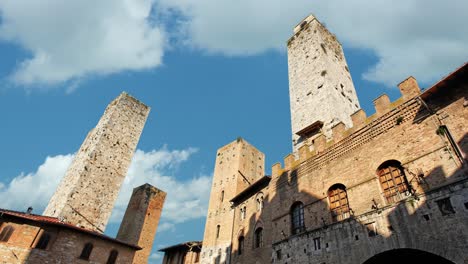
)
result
[(238, 166), (87, 193), (321, 90)]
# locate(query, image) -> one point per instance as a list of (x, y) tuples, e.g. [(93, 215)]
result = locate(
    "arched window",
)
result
[(240, 245), (43, 241), (393, 180), (297, 218), (258, 238), (112, 257), (6, 233), (86, 252), (339, 205)]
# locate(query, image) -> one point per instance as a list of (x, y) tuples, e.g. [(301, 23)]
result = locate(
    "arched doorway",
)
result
[(406, 256)]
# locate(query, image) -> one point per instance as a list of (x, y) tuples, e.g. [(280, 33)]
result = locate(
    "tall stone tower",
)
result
[(321, 90), (87, 192), (141, 220), (238, 165)]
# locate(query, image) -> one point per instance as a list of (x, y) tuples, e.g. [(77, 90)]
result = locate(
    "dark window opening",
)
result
[(240, 245), (297, 218), (112, 257), (317, 243), (86, 252), (6, 233), (222, 196), (278, 254), (218, 228), (445, 206), (43, 241), (258, 241)]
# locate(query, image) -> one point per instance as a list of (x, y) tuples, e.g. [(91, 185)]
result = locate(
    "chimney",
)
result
[(141, 220)]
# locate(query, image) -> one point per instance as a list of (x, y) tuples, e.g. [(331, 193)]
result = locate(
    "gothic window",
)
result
[(393, 180), (259, 202), (6, 233), (240, 245), (112, 257), (297, 218), (243, 211), (339, 205), (86, 252), (258, 238), (43, 241), (218, 228)]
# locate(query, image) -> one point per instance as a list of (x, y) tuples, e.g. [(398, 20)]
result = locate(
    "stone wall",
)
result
[(86, 194), (408, 131)]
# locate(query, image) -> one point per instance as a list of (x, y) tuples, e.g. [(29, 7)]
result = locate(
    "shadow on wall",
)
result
[(426, 219)]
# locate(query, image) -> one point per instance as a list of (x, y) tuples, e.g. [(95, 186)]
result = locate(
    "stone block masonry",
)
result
[(87, 193)]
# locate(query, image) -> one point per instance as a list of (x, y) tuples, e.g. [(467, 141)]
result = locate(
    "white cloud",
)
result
[(426, 39), (69, 40), (185, 200), (35, 188)]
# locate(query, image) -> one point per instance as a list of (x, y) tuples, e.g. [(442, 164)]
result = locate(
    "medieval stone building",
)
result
[(387, 188), (71, 229)]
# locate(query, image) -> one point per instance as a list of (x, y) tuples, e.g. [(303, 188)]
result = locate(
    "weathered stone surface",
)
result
[(86, 194), (320, 85)]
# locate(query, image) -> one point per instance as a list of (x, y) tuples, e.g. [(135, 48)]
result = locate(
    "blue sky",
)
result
[(210, 70)]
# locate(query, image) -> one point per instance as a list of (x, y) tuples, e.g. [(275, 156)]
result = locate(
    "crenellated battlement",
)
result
[(344, 139)]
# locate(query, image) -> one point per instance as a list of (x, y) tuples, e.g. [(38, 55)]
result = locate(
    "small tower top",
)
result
[(303, 23)]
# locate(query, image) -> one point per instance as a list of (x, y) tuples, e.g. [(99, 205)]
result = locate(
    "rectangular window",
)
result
[(372, 229), (317, 243), (445, 206), (218, 227), (278, 254)]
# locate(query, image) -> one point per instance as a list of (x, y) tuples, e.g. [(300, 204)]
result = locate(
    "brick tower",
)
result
[(238, 165), (87, 192), (321, 90), (141, 220)]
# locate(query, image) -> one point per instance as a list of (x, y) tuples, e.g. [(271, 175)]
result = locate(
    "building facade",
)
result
[(71, 231), (386, 188)]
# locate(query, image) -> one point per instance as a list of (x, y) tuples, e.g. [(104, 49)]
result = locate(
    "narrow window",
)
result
[(112, 257), (339, 205), (222, 195), (317, 243), (393, 180), (297, 218), (240, 245), (278, 254), (243, 212), (86, 252), (258, 239), (6, 233), (197, 257), (218, 228), (43, 241)]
